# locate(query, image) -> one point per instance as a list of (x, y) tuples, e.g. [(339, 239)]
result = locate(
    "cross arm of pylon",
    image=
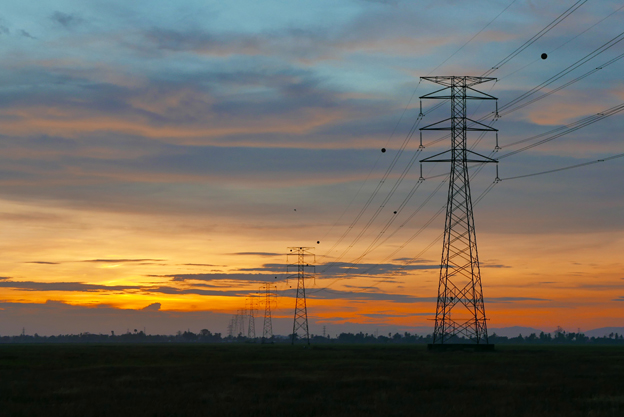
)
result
[(485, 159)]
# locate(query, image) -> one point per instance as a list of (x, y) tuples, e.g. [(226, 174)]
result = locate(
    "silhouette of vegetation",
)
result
[(206, 336)]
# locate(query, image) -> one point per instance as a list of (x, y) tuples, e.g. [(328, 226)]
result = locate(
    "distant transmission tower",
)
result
[(230, 327), (239, 328), (251, 328), (301, 310), (267, 327), (459, 290)]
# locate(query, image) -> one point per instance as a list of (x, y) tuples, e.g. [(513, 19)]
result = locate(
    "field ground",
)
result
[(336, 380)]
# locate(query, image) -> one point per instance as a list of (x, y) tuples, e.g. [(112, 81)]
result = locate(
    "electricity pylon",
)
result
[(301, 310), (239, 326), (267, 327), (459, 287), (251, 328), (230, 327)]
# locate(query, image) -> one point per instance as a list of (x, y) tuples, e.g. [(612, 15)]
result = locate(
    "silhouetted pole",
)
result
[(240, 322), (267, 327), (301, 311), (251, 328), (459, 289), (231, 326)]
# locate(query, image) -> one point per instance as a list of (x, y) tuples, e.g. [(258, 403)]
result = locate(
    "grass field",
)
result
[(279, 380)]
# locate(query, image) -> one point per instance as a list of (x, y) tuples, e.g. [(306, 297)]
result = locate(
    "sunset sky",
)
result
[(158, 158)]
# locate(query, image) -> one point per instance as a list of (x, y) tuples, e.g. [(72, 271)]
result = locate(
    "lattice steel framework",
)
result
[(239, 323), (251, 327), (267, 327), (301, 310), (459, 289)]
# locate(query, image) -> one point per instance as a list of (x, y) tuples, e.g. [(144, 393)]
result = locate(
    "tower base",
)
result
[(464, 347)]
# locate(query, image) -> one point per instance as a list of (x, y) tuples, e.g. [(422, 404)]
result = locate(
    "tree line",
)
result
[(206, 336)]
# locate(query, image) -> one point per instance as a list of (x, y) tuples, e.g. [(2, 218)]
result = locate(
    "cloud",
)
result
[(619, 299), (265, 254), (194, 111), (373, 31), (383, 315), (486, 265), (55, 317), (398, 298), (331, 294), (388, 2), (82, 287), (64, 286), (513, 299), (42, 263), (196, 291), (152, 307), (357, 287), (600, 287), (270, 267), (26, 34), (344, 269), (118, 261), (221, 277), (66, 20), (412, 261), (352, 269)]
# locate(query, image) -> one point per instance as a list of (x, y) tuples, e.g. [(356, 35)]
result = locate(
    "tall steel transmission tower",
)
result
[(251, 328), (460, 309), (267, 327), (301, 311)]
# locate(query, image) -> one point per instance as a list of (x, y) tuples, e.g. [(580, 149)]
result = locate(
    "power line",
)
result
[(604, 47), (557, 76), (393, 233), (393, 163), (565, 43), (564, 168), (400, 152), (423, 251), (379, 185), (545, 30), (474, 36), (569, 83), (422, 205), (396, 213), (535, 37), (571, 128), (380, 208), (371, 170)]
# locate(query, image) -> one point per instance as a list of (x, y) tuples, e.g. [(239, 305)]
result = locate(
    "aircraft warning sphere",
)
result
[(544, 56), (383, 150)]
